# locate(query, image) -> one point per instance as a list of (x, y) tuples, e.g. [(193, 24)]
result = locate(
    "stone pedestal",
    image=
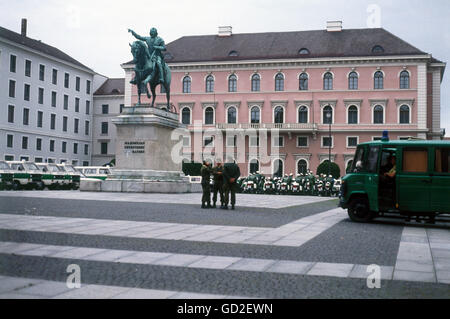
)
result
[(144, 162)]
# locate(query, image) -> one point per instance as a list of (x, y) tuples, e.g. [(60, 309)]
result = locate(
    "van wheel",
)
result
[(16, 186), (358, 210)]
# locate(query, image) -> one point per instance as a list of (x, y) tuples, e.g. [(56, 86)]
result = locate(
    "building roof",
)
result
[(287, 45), (39, 46), (112, 87)]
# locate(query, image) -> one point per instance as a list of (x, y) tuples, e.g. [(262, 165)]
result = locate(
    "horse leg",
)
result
[(167, 88), (152, 87), (139, 94)]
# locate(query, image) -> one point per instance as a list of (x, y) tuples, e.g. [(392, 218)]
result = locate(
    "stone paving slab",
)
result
[(414, 276), (360, 271), (331, 269)]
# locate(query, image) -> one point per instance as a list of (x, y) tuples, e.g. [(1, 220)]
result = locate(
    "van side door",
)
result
[(413, 180), (440, 185)]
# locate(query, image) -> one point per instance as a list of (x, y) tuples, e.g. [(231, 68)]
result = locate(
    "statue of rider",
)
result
[(155, 45)]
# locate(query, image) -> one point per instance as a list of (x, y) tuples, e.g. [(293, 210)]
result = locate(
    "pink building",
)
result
[(282, 85)]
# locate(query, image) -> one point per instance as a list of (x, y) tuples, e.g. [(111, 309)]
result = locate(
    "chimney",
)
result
[(334, 26), (225, 31), (23, 31)]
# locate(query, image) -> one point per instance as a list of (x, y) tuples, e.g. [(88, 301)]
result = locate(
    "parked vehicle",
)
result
[(53, 176), (98, 172), (26, 175), (419, 187), (269, 186), (6, 176), (73, 175)]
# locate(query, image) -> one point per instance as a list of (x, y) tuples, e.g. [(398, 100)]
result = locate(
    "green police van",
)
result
[(72, 175), (405, 178), (26, 175), (6, 176)]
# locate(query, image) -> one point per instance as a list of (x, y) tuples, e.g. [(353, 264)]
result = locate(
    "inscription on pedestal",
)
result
[(134, 147)]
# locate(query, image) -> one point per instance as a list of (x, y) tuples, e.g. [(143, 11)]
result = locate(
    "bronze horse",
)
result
[(143, 74)]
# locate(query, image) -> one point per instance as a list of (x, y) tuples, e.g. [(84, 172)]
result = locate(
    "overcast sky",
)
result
[(95, 31)]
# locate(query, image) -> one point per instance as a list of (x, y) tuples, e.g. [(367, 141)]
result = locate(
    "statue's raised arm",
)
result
[(137, 36)]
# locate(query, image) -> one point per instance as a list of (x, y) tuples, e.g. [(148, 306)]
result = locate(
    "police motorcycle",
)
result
[(328, 187), (251, 185), (240, 182), (72, 174), (6, 176), (26, 175), (336, 188), (260, 179), (269, 186), (297, 185), (318, 186), (285, 185)]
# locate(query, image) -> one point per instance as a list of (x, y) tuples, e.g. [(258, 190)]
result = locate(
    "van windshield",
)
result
[(31, 167), (358, 161), (4, 166)]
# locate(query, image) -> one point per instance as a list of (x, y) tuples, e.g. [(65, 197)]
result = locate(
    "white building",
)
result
[(108, 103), (46, 102)]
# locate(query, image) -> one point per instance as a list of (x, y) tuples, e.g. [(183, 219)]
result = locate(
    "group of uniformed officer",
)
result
[(224, 182)]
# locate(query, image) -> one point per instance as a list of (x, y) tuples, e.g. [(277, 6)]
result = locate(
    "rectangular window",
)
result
[(442, 160), (10, 113), (86, 149), (54, 76), (104, 148), (64, 147), (352, 141), (41, 96), (9, 158), (278, 141), (121, 107), (77, 105), (12, 63), (26, 116), (415, 160), (231, 141), (66, 102), (75, 148), (40, 116), (77, 83), (372, 159), (41, 72), (65, 123), (38, 160), (327, 141), (254, 141), (76, 122), (24, 142), (9, 140), (302, 141), (52, 121), (105, 109), (66, 80), (88, 107), (12, 88), (26, 92), (38, 144), (52, 145), (104, 127), (86, 128), (88, 87), (53, 99), (27, 68), (24, 158)]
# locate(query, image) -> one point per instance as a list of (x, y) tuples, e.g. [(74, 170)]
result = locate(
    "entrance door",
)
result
[(414, 181)]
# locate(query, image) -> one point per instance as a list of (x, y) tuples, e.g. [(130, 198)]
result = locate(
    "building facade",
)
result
[(46, 102), (108, 103)]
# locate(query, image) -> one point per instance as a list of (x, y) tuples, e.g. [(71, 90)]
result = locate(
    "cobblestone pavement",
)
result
[(282, 247)]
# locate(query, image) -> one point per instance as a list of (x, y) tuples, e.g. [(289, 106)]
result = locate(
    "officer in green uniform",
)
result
[(205, 172), (218, 183), (231, 173)]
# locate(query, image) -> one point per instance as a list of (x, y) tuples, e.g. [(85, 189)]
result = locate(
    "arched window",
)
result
[(279, 114), (352, 115), (186, 84), (255, 115), (378, 114), (328, 81), (303, 114), (404, 80), (279, 82), (232, 83), (209, 115), (278, 168), (404, 114), (256, 83), (231, 115), (353, 81), (303, 51), (209, 83), (377, 49), (378, 80), (254, 166), (186, 115), (302, 167), (303, 82), (327, 114)]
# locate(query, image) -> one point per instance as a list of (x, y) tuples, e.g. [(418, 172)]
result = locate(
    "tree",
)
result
[(191, 169), (335, 171)]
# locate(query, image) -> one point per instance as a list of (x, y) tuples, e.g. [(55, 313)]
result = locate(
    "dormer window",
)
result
[(303, 51), (233, 53), (377, 49)]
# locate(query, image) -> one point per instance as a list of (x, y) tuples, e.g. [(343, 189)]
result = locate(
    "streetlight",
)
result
[(328, 116)]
